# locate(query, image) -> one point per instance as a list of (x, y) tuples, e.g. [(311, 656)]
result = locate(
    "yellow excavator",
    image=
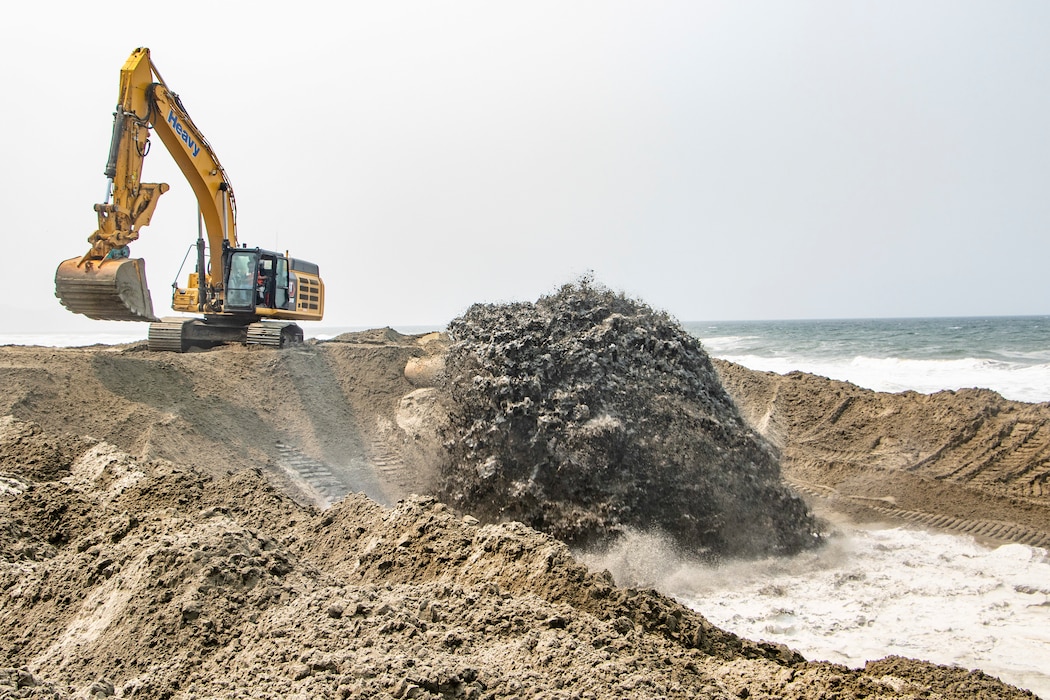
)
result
[(245, 295)]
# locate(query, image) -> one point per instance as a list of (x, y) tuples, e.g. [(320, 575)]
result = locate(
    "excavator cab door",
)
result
[(255, 280), (241, 287), (281, 296), (265, 279)]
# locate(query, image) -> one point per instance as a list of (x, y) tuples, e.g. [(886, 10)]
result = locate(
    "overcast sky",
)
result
[(719, 160)]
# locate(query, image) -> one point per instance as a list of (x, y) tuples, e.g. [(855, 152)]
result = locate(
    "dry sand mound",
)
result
[(969, 461), (588, 413), (128, 577), (321, 420)]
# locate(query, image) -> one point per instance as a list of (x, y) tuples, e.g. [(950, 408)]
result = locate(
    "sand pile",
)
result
[(589, 413), (130, 577), (968, 461)]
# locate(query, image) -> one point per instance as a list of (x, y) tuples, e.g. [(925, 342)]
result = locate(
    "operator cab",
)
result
[(258, 279)]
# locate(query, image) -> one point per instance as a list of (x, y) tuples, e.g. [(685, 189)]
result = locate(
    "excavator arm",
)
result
[(105, 283)]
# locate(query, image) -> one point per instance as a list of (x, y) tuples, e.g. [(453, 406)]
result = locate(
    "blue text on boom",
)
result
[(183, 133)]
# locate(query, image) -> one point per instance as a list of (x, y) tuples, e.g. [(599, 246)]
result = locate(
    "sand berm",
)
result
[(387, 516)]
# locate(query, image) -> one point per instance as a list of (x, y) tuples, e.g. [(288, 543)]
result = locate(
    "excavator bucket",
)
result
[(110, 290)]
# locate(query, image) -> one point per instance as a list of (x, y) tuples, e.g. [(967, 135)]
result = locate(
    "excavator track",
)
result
[(111, 290), (274, 334), (177, 334), (166, 336)]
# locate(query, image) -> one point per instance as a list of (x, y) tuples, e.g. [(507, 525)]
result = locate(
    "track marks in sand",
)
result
[(385, 452), (322, 483), (987, 530)]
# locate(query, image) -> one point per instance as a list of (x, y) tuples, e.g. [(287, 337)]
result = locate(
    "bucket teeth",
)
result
[(111, 290)]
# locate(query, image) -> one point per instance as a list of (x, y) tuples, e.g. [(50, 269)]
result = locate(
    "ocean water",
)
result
[(1010, 355), (135, 332)]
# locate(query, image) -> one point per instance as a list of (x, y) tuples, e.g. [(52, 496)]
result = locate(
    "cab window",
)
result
[(241, 284)]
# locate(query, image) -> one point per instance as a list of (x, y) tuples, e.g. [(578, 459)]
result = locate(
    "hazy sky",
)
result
[(719, 160)]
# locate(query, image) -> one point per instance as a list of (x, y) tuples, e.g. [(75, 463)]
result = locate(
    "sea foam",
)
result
[(870, 593), (1015, 381)]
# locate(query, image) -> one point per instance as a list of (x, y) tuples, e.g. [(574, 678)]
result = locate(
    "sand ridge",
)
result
[(967, 461)]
